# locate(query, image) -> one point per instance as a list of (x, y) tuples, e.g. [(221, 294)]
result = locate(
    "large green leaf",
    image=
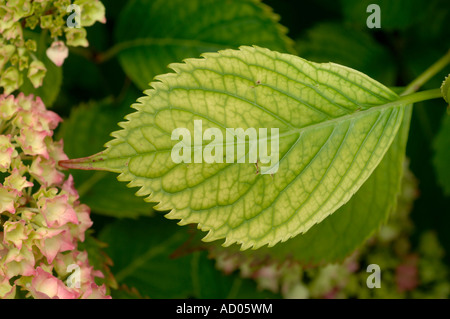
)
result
[(153, 33), (335, 125)]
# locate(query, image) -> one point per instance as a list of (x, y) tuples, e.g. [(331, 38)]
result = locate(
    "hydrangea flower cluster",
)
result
[(18, 48), (41, 218)]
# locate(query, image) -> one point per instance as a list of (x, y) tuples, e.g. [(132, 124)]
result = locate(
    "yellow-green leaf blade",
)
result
[(335, 126)]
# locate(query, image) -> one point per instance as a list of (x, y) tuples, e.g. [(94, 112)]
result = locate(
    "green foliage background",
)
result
[(154, 255)]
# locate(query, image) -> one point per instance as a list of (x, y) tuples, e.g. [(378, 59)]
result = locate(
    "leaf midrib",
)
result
[(293, 131)]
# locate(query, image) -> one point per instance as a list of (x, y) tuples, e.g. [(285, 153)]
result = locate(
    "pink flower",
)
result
[(8, 107), (7, 199), (24, 101), (57, 211), (19, 262), (85, 222), (7, 152), (38, 246), (17, 182), (32, 114), (6, 290), (56, 151), (46, 286), (45, 172), (33, 142), (15, 232), (95, 292), (69, 188), (54, 241)]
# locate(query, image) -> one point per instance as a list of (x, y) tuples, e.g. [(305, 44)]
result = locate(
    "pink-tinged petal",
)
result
[(45, 172), (54, 241), (7, 152), (24, 101), (85, 222), (36, 73), (58, 212), (15, 233), (46, 286), (33, 114), (17, 181), (7, 199), (6, 290), (44, 233), (87, 275), (19, 262), (6, 159), (62, 262), (26, 118), (56, 151), (57, 52), (95, 292), (33, 142), (8, 107), (46, 120), (51, 119), (27, 215), (50, 247), (69, 188)]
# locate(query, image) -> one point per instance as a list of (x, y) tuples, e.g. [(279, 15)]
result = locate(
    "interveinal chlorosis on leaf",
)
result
[(335, 125)]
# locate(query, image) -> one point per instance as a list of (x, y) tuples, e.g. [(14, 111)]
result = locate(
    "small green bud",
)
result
[(36, 73), (14, 59), (92, 11), (23, 62), (11, 80), (14, 32), (46, 21), (31, 22), (6, 20), (76, 37), (6, 51), (30, 45)]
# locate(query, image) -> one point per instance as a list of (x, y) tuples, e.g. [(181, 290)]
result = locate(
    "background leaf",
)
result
[(153, 33), (337, 43), (143, 253), (399, 14)]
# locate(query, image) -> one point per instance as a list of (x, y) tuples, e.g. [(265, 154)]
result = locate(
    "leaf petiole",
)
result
[(427, 74), (414, 98)]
